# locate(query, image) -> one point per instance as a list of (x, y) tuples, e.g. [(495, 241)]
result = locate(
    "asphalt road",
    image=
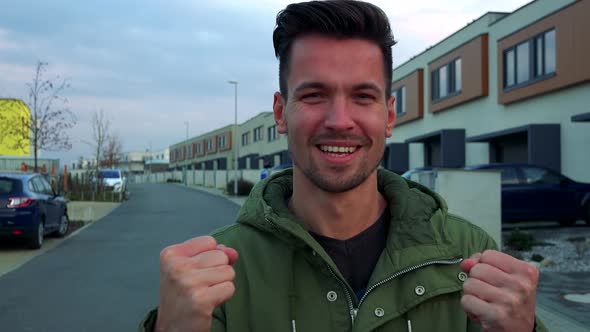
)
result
[(106, 278)]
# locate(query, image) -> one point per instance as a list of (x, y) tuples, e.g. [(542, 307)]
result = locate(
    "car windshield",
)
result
[(7, 186), (110, 174)]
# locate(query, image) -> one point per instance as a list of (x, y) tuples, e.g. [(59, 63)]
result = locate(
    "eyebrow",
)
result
[(367, 86), (319, 85), (309, 85)]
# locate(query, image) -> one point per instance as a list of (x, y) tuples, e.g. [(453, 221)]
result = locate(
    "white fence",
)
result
[(208, 178)]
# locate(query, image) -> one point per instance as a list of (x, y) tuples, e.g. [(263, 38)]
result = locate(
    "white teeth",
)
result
[(337, 150)]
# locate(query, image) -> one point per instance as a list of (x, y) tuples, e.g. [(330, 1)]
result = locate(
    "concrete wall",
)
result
[(473, 195)]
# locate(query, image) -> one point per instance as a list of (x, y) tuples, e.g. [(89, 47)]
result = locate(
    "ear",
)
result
[(390, 116), (278, 108)]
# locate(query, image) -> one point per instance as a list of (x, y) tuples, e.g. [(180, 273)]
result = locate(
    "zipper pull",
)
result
[(353, 314)]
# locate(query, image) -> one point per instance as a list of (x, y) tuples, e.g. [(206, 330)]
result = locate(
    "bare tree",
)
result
[(112, 151), (50, 114), (100, 134)]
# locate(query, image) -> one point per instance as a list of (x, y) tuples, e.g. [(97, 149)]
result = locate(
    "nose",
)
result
[(339, 116)]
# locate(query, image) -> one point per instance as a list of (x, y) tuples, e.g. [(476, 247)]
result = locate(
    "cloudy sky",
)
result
[(154, 65)]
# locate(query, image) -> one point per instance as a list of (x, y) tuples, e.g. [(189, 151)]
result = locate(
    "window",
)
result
[(400, 100), (531, 60), (272, 133), (210, 144), (198, 148), (245, 138), (221, 140), (258, 134), (7, 186), (509, 176), (541, 176), (447, 80)]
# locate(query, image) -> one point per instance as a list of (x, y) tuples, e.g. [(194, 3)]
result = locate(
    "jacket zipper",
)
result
[(351, 308), (354, 311)]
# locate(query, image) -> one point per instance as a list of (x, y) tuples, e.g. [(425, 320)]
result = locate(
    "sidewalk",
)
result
[(550, 306), (13, 254)]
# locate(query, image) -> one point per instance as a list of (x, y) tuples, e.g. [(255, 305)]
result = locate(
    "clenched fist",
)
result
[(500, 292), (195, 277)]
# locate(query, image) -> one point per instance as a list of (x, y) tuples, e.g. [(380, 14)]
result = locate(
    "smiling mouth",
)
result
[(338, 151)]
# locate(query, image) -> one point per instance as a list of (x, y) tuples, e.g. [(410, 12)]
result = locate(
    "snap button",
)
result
[(379, 312), (462, 276), (332, 296), (419, 290)]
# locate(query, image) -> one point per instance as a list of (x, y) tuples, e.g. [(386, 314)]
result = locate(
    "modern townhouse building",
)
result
[(261, 143), (210, 151), (508, 87)]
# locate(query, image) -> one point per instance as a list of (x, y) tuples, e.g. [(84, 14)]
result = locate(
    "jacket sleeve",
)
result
[(148, 324)]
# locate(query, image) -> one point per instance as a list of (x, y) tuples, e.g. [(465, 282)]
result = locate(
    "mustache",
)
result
[(349, 138)]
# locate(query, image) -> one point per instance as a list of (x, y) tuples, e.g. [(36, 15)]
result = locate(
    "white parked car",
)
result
[(113, 178)]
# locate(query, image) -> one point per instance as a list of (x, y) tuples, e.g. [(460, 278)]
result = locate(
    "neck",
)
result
[(336, 215)]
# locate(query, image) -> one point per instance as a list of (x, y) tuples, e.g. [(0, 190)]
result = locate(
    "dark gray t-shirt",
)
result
[(356, 257)]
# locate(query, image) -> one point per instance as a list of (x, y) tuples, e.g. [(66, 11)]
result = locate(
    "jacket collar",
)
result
[(416, 233)]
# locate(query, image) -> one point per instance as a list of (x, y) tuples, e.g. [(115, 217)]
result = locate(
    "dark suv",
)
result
[(30, 209), (535, 193)]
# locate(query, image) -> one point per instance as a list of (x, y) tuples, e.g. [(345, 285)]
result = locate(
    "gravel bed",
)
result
[(563, 250)]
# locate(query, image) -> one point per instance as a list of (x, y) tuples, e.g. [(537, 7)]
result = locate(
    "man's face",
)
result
[(337, 115)]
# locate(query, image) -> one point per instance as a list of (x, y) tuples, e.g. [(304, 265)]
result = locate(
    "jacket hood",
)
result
[(412, 208)]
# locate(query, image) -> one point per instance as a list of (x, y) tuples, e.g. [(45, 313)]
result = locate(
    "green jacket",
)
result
[(285, 281)]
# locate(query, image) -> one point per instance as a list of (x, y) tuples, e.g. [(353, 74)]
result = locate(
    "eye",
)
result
[(364, 98), (312, 97)]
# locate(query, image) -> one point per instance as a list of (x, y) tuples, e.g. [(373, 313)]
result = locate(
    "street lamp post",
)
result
[(235, 135), (186, 124)]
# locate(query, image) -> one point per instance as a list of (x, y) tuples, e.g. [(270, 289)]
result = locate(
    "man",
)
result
[(337, 244)]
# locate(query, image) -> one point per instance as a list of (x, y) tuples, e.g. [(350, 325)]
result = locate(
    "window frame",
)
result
[(533, 61), (450, 80), (246, 139), (400, 100), (257, 135), (272, 133)]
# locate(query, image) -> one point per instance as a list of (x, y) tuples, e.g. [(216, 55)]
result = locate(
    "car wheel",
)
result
[(37, 239), (64, 226), (567, 222)]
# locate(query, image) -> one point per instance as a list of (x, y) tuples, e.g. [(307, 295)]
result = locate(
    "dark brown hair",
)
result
[(333, 18)]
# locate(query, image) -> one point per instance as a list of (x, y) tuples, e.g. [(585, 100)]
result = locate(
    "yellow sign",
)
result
[(14, 128)]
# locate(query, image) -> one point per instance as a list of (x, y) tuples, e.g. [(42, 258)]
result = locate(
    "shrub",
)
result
[(522, 241), (244, 187)]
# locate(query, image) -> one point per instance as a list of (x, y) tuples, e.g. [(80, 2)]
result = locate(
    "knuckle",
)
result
[(227, 271), (532, 273), (207, 240), (488, 254), (167, 253), (176, 270)]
